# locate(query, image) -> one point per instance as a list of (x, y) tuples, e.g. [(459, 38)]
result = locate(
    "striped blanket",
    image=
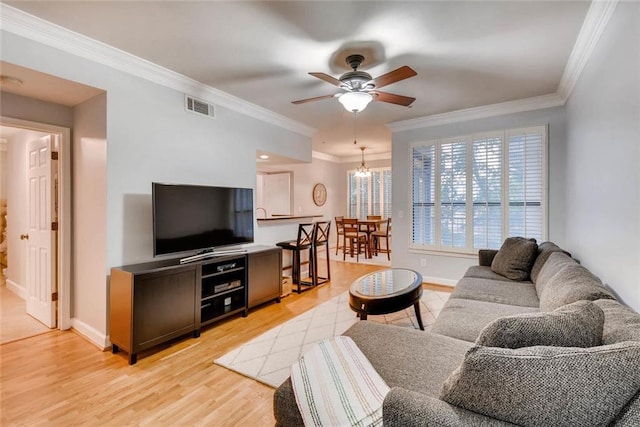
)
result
[(335, 385)]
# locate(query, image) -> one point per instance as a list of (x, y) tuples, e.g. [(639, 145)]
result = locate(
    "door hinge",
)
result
[(54, 297), (54, 155), (54, 226)]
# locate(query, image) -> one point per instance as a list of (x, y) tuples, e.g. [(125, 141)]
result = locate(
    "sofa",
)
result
[(528, 337)]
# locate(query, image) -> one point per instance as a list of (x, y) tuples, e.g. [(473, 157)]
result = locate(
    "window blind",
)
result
[(369, 195), (473, 192)]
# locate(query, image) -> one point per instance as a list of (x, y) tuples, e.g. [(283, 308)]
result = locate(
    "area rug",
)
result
[(268, 357)]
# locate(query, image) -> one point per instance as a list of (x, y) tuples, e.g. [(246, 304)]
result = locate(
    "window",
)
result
[(370, 195), (472, 192)]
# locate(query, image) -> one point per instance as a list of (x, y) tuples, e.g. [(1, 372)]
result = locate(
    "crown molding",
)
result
[(368, 158), (31, 27), (500, 109), (323, 156), (351, 159), (593, 26)]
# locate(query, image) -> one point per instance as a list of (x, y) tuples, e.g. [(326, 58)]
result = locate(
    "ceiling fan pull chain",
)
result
[(355, 127)]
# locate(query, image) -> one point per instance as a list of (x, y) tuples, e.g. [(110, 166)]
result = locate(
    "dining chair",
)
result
[(339, 232), (304, 243), (378, 235), (355, 238), (321, 240)]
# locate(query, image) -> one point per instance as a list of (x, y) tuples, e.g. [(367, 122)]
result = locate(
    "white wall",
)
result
[(89, 184), (603, 158), (448, 269), (150, 137), (305, 177), (34, 110)]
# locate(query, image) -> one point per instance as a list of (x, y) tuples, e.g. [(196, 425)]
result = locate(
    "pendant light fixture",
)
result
[(363, 170)]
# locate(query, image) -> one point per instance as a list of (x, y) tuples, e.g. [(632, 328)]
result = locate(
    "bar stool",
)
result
[(354, 237), (321, 239), (339, 232), (377, 236), (304, 242)]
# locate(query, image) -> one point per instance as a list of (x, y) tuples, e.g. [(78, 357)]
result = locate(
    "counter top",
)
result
[(286, 217)]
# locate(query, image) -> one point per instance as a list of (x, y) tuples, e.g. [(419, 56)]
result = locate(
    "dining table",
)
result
[(368, 226)]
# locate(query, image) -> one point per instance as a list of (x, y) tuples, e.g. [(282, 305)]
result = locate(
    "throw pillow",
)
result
[(572, 283), (546, 386), (574, 325), (620, 323), (515, 258)]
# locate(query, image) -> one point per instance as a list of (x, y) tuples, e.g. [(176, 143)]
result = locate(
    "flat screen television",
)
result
[(195, 218)]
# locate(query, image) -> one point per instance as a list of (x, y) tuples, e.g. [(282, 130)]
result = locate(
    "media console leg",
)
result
[(114, 349), (245, 313), (133, 358), (196, 333)]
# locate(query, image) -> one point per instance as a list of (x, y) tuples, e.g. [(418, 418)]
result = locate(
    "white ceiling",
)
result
[(466, 54)]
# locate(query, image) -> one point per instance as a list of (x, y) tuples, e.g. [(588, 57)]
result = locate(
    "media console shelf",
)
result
[(224, 290), (155, 302)]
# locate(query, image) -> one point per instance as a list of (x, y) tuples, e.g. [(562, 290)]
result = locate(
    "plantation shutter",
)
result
[(472, 192), (526, 183), (487, 192), (352, 209), (369, 195), (386, 193), (453, 194), (424, 195), (376, 195)]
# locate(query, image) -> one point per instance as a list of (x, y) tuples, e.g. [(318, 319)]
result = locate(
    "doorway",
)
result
[(20, 293)]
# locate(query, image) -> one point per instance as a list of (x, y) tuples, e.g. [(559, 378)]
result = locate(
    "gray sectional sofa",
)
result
[(552, 348)]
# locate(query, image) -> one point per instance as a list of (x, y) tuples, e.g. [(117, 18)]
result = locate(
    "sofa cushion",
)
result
[(545, 249), (464, 319), (572, 283), (554, 263), (544, 386), (433, 356), (620, 322), (573, 325), (409, 358), (498, 291), (484, 272), (515, 258), (630, 414)]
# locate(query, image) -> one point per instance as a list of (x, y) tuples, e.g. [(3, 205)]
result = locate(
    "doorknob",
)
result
[(24, 237)]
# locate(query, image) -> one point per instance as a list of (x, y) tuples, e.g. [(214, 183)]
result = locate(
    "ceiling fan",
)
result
[(360, 88)]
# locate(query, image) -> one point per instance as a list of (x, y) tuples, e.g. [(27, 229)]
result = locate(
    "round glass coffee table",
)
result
[(386, 291)]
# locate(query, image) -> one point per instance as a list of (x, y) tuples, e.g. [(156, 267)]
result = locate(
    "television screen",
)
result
[(195, 218)]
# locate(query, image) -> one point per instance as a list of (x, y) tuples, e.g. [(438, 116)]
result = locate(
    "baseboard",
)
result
[(90, 333), (439, 281), (17, 289)]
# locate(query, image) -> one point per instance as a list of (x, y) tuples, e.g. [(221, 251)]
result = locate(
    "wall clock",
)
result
[(319, 194)]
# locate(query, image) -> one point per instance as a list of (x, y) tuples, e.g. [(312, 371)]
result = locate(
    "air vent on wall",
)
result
[(200, 107)]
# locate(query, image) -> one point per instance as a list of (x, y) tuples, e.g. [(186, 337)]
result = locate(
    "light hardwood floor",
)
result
[(60, 378)]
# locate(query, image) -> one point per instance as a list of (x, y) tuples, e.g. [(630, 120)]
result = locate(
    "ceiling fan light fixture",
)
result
[(355, 101)]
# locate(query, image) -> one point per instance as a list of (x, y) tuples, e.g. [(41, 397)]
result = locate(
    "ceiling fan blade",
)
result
[(317, 98), (393, 98), (327, 78), (394, 76)]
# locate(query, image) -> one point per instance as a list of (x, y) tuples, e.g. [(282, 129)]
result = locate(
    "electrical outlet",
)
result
[(423, 262)]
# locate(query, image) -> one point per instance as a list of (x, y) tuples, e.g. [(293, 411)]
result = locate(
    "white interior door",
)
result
[(40, 237)]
